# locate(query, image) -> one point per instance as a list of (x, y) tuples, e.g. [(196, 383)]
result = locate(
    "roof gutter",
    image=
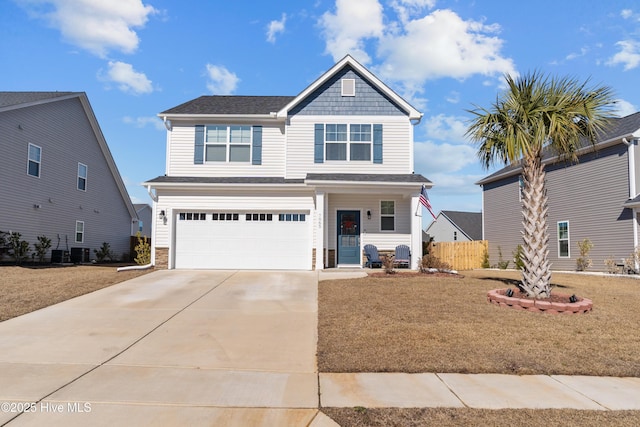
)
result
[(244, 117)]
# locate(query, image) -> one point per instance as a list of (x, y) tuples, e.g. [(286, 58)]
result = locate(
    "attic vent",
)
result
[(348, 87)]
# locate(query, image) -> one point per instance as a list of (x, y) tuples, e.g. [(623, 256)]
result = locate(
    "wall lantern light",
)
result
[(368, 214)]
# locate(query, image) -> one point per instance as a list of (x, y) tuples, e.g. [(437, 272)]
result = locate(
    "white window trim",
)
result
[(75, 236), (568, 239), (39, 162), (348, 87), (86, 177), (388, 216), (348, 143), (228, 144)]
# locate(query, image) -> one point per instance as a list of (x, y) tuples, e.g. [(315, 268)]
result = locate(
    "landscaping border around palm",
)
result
[(424, 323)]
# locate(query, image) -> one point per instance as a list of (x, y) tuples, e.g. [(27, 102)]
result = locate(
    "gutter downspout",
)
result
[(631, 152)]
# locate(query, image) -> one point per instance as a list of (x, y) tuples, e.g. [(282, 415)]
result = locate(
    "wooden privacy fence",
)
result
[(460, 255)]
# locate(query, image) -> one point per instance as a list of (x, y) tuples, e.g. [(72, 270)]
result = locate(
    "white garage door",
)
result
[(243, 240)]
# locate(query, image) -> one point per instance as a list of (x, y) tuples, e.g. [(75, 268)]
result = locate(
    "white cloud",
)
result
[(275, 27), (453, 97), (142, 122), (95, 25), (629, 55), (405, 9), (445, 128), (624, 108), (220, 80), (346, 30), (442, 44), (431, 158), (128, 79), (574, 55)]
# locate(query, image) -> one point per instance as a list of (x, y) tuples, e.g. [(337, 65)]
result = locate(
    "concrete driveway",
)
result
[(168, 348)]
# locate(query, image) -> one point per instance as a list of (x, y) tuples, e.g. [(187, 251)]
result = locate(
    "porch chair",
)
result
[(373, 257), (403, 256)]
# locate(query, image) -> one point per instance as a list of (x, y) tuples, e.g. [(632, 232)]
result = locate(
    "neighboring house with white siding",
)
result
[(289, 182), (58, 177), (456, 226), (597, 199)]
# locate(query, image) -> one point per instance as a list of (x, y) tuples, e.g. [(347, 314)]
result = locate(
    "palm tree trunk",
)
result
[(536, 273)]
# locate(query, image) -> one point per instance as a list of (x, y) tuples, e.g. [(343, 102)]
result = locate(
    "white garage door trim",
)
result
[(265, 240)]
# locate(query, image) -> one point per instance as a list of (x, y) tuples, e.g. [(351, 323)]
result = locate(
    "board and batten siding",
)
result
[(370, 228), (589, 195), (228, 200), (180, 154), (64, 133), (397, 143)]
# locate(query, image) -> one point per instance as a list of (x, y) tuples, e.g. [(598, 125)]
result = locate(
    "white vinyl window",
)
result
[(79, 231), (387, 215), (563, 239), (353, 145), (228, 143), (82, 177), (34, 160), (520, 188)]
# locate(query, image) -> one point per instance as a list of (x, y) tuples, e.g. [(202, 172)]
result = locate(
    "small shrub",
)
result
[(19, 248), (104, 253), (611, 264), (584, 262), (42, 247), (517, 258), (432, 261), (485, 259), (630, 263), (502, 264), (143, 250)]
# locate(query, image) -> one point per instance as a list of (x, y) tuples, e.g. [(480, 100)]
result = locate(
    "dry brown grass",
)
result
[(444, 417), (444, 324), (26, 289)]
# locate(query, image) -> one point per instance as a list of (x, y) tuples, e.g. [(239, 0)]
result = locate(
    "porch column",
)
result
[(416, 231), (319, 226)]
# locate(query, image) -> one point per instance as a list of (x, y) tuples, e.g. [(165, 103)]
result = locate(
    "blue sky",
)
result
[(137, 58)]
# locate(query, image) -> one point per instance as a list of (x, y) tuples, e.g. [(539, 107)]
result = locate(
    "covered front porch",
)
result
[(355, 210)]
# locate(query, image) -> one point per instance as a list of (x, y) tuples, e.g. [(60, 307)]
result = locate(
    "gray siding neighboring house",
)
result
[(145, 217), (456, 226), (58, 174), (596, 199)]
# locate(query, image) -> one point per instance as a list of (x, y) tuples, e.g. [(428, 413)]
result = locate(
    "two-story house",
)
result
[(289, 182), (597, 198), (58, 177)]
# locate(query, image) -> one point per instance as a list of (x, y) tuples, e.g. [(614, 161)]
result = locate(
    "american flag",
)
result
[(424, 199)]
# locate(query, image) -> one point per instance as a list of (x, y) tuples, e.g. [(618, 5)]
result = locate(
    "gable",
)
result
[(327, 99)]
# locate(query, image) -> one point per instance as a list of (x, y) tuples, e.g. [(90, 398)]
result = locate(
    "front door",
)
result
[(349, 237)]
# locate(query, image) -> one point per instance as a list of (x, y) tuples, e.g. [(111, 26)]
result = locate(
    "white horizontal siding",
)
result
[(180, 155), (385, 241), (397, 146), (370, 227)]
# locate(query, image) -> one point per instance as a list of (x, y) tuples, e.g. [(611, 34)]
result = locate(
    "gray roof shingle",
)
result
[(217, 104), (412, 177), (16, 98), (399, 178), (469, 222)]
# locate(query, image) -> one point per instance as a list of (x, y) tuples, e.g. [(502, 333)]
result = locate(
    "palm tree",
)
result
[(535, 114)]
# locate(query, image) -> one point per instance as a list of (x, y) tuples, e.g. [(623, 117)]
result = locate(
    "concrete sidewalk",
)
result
[(490, 391), (227, 348)]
